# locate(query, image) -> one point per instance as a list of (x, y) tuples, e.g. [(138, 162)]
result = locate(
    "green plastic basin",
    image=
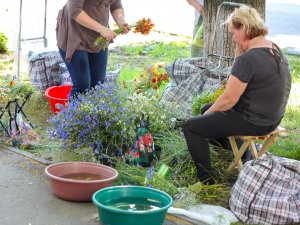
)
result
[(131, 205)]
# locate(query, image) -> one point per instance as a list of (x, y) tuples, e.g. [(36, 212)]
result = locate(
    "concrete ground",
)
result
[(26, 197)]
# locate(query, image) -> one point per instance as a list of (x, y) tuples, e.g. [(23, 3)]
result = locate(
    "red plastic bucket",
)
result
[(58, 95)]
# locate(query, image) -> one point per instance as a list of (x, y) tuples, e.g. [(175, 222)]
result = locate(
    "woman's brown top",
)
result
[(72, 36)]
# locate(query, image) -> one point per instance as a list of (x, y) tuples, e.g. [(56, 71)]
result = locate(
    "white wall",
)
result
[(171, 16)]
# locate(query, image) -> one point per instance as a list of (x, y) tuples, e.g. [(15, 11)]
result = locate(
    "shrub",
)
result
[(3, 43)]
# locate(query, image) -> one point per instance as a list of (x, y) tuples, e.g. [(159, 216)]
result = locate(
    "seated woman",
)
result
[(256, 94)]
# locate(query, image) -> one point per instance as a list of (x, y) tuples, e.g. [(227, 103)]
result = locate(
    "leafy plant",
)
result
[(205, 97), (3, 43), (12, 88)]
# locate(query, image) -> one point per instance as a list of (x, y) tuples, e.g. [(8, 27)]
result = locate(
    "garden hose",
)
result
[(232, 4)]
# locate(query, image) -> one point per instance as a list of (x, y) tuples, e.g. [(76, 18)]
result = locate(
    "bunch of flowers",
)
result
[(152, 78), (143, 26), (98, 119), (161, 115)]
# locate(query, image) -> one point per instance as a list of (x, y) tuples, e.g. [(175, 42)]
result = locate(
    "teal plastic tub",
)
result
[(132, 205)]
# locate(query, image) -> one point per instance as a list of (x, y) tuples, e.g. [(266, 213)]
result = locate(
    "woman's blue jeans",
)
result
[(86, 69)]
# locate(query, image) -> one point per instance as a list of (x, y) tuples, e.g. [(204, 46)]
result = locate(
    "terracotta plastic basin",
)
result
[(78, 181)]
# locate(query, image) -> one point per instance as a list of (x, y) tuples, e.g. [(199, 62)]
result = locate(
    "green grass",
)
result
[(294, 62), (136, 58), (129, 73), (288, 146)]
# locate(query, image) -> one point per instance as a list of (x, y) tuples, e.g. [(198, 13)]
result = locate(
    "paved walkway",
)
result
[(26, 197)]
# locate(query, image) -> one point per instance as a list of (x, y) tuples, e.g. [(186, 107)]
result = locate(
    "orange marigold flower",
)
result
[(143, 26), (11, 83)]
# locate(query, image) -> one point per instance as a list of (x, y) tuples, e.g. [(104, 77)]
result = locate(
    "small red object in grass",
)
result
[(58, 95)]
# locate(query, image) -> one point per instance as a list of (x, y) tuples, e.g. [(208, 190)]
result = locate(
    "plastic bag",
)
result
[(65, 75), (267, 191), (206, 214), (113, 76), (44, 69), (21, 133)]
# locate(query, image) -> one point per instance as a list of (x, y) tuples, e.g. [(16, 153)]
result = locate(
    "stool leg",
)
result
[(238, 153), (253, 150), (266, 144), (4, 128), (235, 152)]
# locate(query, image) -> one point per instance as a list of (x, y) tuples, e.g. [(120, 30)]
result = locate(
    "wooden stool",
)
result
[(249, 141)]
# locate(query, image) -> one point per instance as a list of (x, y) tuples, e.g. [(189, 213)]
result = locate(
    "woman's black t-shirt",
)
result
[(268, 77)]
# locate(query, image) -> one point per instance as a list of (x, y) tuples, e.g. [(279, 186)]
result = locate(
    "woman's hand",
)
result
[(86, 21), (119, 18), (107, 33), (126, 28)]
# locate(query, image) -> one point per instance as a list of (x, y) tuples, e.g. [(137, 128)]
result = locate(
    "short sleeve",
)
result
[(116, 5), (75, 7), (242, 69)]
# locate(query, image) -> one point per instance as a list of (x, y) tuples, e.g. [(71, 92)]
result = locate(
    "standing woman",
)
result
[(197, 43), (79, 23), (256, 94)]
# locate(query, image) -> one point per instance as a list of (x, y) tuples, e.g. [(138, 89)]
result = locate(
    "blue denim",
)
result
[(86, 69)]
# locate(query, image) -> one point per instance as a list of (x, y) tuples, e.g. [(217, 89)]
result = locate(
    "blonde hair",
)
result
[(248, 18)]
